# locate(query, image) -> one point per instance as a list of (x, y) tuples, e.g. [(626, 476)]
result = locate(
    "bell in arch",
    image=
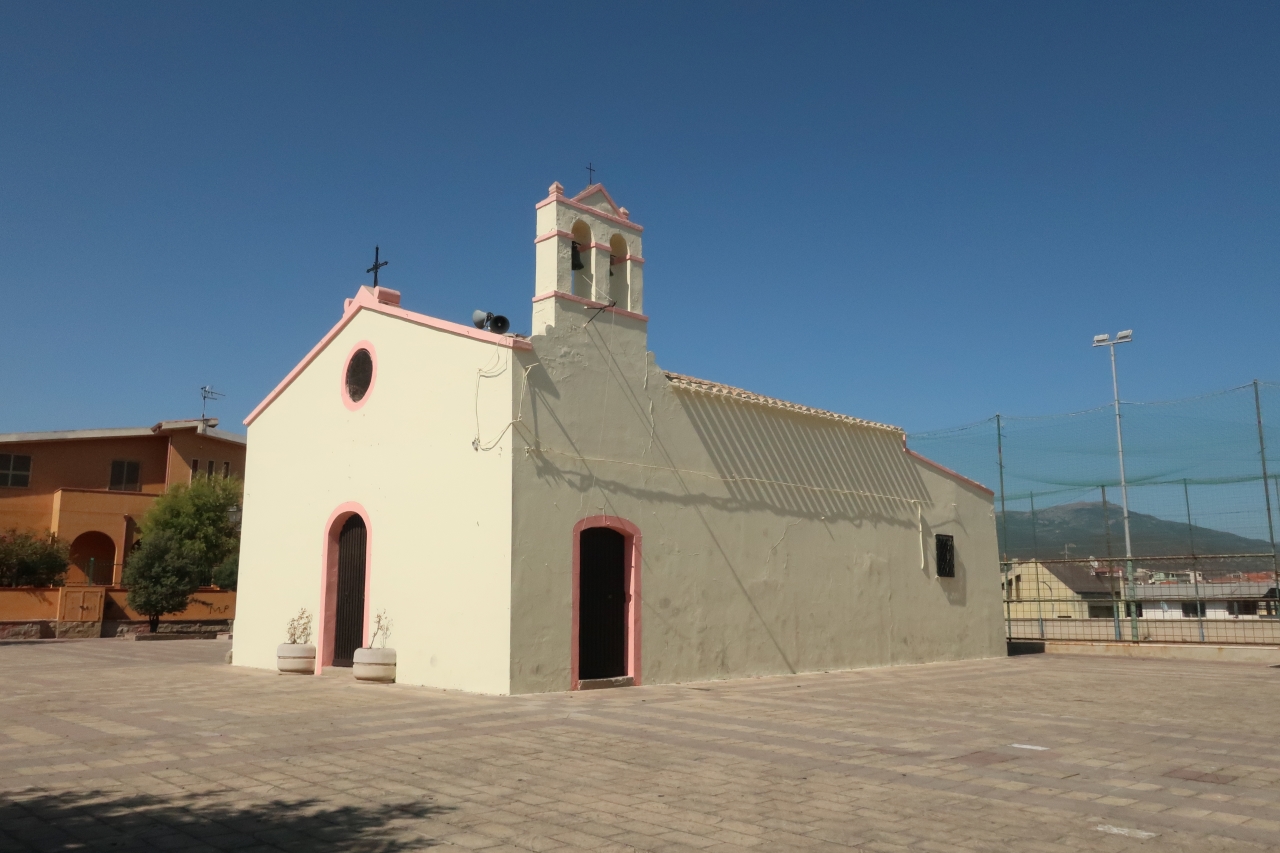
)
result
[(576, 257)]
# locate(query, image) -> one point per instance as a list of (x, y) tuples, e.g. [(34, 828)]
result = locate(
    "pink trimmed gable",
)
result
[(599, 188), (619, 216), (381, 303)]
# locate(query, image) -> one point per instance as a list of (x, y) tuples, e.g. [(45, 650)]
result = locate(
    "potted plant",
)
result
[(298, 655), (378, 664)]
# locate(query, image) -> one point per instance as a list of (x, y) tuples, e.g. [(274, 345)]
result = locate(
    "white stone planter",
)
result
[(296, 657), (374, 665)]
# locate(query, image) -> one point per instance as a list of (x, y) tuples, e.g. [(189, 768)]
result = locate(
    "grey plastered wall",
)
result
[(741, 574)]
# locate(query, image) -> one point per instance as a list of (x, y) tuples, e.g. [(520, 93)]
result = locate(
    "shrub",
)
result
[(28, 559), (381, 626), (227, 572), (299, 628), (161, 574)]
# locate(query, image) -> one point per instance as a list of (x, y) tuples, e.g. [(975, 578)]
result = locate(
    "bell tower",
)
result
[(587, 250)]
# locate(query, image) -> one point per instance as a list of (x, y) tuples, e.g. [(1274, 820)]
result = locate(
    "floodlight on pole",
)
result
[(1105, 341)]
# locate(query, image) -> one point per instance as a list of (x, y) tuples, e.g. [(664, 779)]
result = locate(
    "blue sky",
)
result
[(915, 213)]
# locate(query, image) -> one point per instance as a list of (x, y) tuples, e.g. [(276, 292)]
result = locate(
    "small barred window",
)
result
[(946, 548)]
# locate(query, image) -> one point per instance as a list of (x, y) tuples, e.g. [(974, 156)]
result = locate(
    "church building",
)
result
[(557, 512)]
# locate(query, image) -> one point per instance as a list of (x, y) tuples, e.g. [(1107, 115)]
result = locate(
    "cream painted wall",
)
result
[(739, 578), (440, 510)]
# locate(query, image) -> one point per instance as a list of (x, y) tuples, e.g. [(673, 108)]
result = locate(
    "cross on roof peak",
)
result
[(376, 265)]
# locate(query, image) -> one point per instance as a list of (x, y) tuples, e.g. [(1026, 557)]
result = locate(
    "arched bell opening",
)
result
[(580, 259), (93, 557), (619, 272)]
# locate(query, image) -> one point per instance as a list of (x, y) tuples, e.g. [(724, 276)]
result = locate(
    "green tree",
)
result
[(186, 535), (28, 559), (161, 574), (199, 515)]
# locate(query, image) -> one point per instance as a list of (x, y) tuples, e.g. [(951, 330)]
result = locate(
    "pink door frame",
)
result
[(329, 580), (632, 550)]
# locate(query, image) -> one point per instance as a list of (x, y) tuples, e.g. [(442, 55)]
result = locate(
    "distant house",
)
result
[(1053, 590), (1217, 600), (1034, 590), (92, 486)]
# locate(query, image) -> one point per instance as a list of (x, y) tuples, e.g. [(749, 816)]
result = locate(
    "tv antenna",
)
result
[(206, 394)]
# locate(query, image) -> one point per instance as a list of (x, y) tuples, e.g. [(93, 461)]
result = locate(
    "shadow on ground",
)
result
[(39, 820)]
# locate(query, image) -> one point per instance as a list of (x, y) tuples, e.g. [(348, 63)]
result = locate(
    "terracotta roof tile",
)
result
[(690, 383)]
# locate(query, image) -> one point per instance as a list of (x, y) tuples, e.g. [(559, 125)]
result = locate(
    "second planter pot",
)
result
[(374, 665)]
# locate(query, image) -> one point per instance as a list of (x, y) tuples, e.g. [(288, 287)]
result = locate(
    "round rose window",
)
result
[(359, 375)]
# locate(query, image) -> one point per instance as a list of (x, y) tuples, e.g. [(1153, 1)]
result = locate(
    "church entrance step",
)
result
[(597, 683)]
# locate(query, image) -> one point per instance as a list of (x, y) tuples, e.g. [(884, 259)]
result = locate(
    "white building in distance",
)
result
[(555, 511)]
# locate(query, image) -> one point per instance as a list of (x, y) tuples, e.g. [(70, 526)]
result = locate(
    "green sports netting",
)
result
[(1200, 453)]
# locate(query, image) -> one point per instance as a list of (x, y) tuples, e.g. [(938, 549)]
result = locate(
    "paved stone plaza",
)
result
[(116, 745)]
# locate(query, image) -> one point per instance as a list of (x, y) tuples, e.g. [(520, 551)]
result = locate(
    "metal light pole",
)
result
[(1105, 341)]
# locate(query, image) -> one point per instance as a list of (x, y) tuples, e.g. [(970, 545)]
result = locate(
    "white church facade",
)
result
[(555, 511)]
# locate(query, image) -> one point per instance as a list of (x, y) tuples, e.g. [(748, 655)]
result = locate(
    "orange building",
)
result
[(92, 486)]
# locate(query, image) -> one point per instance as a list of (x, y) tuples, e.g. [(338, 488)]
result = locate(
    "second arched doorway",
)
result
[(606, 603), (602, 619)]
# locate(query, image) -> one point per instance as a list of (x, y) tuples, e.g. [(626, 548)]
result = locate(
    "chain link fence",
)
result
[(1195, 562)]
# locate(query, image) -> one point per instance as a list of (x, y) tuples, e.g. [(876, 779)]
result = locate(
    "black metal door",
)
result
[(602, 604), (348, 634)]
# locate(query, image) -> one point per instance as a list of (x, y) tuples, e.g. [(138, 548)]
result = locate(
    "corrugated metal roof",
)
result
[(690, 383)]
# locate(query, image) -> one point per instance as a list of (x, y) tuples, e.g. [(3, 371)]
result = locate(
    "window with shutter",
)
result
[(125, 476), (15, 470)]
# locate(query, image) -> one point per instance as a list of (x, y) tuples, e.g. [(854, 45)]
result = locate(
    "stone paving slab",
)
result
[(107, 745)]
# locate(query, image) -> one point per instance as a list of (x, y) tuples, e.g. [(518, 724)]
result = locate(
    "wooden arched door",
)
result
[(348, 633)]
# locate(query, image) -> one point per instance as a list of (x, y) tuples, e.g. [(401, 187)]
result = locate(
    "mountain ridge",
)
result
[(1081, 529)]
